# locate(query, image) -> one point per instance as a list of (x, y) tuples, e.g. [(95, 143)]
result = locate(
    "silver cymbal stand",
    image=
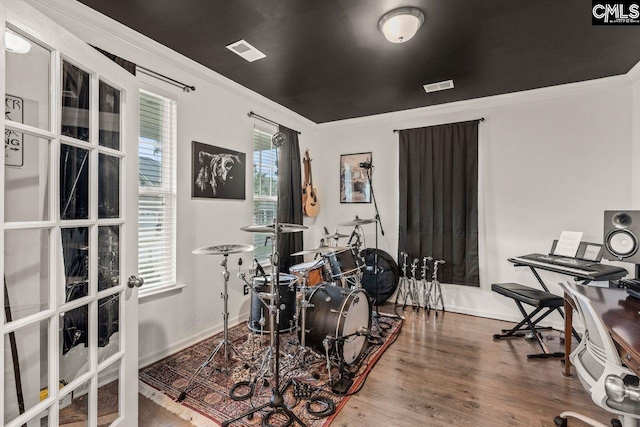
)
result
[(435, 287), (224, 342), (413, 285), (426, 290), (403, 286)]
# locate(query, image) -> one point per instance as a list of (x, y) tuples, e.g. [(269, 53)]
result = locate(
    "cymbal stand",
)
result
[(277, 400), (403, 286), (413, 285), (435, 287), (426, 290), (224, 343)]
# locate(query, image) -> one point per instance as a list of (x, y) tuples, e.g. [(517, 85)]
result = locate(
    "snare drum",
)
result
[(259, 310), (314, 270), (338, 314), (344, 263)]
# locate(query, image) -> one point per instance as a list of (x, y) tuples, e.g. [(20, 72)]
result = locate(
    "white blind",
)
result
[(157, 190), (265, 189)]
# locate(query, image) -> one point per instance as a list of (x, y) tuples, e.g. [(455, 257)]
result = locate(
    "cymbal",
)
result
[(223, 249), (283, 227), (357, 221), (321, 250), (335, 236)]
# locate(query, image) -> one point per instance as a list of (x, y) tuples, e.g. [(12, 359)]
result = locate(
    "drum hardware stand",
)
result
[(403, 286), (413, 286), (424, 283), (436, 296), (276, 401), (224, 342)]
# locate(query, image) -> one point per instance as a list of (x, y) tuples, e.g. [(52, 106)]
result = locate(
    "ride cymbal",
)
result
[(223, 249), (269, 228), (357, 221), (321, 250)]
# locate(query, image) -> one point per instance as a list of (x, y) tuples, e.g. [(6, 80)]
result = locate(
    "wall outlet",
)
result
[(246, 289)]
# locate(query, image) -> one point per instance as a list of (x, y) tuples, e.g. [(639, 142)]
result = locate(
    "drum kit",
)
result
[(324, 301)]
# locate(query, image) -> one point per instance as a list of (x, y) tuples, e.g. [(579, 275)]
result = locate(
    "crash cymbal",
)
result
[(282, 227), (223, 249), (357, 221), (321, 250), (335, 236)]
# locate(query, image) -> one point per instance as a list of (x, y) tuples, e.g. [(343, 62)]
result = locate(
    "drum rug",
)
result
[(208, 401)]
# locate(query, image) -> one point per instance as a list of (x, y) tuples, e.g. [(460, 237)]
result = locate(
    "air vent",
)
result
[(245, 50), (434, 87)]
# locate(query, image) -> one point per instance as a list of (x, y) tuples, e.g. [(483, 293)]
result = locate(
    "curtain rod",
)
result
[(264, 119), (481, 119), (185, 87)]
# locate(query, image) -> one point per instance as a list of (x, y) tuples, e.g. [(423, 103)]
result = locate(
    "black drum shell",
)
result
[(324, 318), (258, 309), (388, 274), (344, 263)]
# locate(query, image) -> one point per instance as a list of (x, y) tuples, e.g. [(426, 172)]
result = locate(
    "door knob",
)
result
[(135, 281)]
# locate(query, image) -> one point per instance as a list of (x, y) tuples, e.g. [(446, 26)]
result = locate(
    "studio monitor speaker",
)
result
[(621, 231)]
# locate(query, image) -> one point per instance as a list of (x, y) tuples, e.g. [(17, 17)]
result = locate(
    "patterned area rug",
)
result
[(208, 402)]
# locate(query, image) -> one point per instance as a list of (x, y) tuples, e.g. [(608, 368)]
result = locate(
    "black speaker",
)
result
[(621, 231)]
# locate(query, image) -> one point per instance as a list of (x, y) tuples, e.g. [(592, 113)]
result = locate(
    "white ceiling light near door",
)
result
[(400, 25)]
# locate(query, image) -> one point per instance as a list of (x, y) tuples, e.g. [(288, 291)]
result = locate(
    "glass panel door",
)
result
[(68, 359)]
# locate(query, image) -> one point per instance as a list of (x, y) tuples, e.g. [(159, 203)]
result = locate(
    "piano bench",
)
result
[(528, 295), (545, 303)]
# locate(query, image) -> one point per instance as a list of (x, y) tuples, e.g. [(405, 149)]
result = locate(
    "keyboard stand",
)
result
[(546, 289)]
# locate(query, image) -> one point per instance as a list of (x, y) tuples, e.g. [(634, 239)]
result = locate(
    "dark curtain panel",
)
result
[(439, 198), (127, 65), (289, 198)]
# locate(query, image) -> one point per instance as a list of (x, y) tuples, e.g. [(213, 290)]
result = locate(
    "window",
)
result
[(157, 191), (265, 189)]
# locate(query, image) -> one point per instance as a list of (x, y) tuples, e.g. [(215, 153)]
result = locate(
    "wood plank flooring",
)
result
[(447, 370)]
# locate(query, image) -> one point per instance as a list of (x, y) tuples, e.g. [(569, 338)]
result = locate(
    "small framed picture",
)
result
[(354, 182), (217, 173)]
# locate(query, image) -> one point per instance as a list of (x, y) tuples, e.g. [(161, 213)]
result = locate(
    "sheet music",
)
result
[(568, 243)]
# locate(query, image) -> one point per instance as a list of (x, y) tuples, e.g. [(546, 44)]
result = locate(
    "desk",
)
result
[(619, 313)]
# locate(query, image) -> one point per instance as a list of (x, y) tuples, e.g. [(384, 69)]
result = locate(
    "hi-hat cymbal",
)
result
[(321, 250), (335, 236), (223, 249), (282, 227), (357, 221)]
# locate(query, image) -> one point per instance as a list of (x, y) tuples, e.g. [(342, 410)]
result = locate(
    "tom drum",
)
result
[(259, 316)]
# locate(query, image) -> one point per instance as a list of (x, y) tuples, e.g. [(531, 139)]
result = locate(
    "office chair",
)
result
[(600, 369)]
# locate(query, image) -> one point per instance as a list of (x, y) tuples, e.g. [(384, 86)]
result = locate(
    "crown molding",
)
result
[(476, 104), (634, 74), (109, 28)]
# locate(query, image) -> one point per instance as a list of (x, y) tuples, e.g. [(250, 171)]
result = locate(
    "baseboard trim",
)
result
[(147, 360)]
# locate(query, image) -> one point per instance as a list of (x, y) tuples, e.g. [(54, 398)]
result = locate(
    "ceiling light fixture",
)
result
[(400, 25), (15, 43)]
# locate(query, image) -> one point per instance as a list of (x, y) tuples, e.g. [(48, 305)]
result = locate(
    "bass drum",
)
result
[(388, 274), (336, 312)]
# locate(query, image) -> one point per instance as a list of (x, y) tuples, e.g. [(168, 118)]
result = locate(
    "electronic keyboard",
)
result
[(580, 268)]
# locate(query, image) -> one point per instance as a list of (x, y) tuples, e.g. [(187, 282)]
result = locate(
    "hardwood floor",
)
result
[(447, 370)]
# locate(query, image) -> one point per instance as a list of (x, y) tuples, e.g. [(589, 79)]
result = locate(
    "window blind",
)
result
[(265, 189), (157, 190)]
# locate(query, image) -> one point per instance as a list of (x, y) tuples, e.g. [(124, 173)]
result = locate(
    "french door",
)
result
[(69, 225)]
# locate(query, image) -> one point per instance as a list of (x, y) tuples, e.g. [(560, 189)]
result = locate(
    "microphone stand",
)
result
[(376, 313)]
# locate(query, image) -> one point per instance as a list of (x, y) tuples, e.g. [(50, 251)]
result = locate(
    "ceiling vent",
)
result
[(245, 50), (434, 87)]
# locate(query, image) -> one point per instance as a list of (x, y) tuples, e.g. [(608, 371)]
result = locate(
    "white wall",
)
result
[(549, 161), (215, 113)]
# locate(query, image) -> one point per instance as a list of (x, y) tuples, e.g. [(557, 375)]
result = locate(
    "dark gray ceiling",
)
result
[(326, 59)]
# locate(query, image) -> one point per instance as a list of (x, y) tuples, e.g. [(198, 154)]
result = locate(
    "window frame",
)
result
[(169, 192), (259, 239)]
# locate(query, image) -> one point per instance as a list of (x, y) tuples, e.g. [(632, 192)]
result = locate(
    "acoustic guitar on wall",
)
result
[(310, 203)]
